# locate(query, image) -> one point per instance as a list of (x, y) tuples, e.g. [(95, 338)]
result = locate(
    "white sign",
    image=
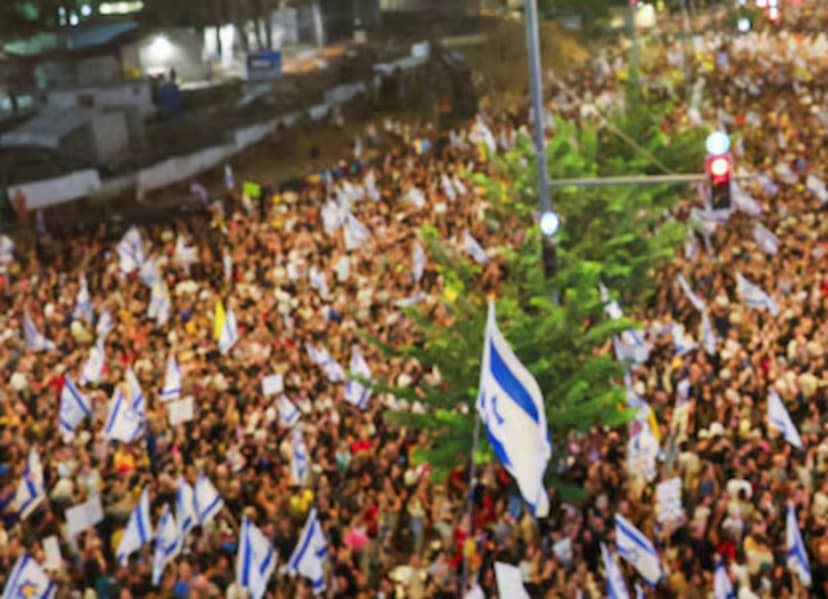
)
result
[(180, 411), (668, 496), (563, 550), (52, 550), (84, 515), (273, 384)]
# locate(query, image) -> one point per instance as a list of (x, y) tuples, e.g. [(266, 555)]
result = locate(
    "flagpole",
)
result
[(470, 501)]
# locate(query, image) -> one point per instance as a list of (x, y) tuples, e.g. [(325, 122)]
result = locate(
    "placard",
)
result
[(180, 411), (668, 495), (273, 384), (251, 190), (52, 550), (84, 515)]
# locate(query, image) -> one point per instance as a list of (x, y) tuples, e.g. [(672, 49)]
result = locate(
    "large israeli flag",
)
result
[(167, 544), (767, 241), (797, 555), (172, 380), (207, 501), (83, 302), (185, 510), (125, 421), (510, 404), (321, 357), (35, 340), (229, 332), (138, 530), (92, 369), (697, 302), (722, 587), (418, 262), (255, 561), (474, 249), (300, 462), (31, 490), (355, 392), (630, 346), (74, 407), (637, 549), (28, 580), (754, 296), (311, 552), (616, 587), (288, 413), (780, 419)]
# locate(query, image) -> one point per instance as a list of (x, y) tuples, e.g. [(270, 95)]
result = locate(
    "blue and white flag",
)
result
[(630, 346), (105, 324), (311, 552), (299, 464), (448, 187), (184, 255), (185, 510), (288, 413), (817, 187), (481, 134), (681, 342), (510, 581), (255, 561), (207, 501), (707, 334), (35, 340), (722, 587), (356, 392), (31, 490), (694, 299), (797, 556), (474, 249), (138, 530), (458, 185), (127, 412), (616, 587), (418, 262), (754, 296), (160, 305), (167, 544), (639, 592), (6, 249), (229, 332), (767, 241), (691, 246), (92, 369), (319, 282), (637, 549), (131, 251), (27, 579), (780, 419), (768, 186), (83, 302), (355, 233), (136, 395), (333, 216), (321, 357), (416, 197), (510, 404), (172, 380), (743, 201), (74, 407), (148, 273), (229, 178), (783, 170)]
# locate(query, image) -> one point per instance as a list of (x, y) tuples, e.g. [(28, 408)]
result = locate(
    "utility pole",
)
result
[(535, 75), (685, 29), (633, 40)]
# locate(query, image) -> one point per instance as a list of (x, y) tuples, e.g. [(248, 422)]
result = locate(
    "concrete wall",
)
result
[(110, 137)]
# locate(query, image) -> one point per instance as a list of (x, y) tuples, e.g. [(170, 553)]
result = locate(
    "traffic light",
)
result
[(719, 167)]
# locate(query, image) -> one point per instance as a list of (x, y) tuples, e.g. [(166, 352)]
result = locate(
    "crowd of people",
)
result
[(322, 264)]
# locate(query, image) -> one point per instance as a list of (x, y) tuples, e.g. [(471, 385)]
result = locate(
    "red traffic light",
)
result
[(719, 168)]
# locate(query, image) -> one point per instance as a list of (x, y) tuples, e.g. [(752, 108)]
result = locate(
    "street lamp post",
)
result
[(533, 49)]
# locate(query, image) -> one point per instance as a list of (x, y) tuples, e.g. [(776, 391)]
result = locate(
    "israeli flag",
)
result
[(611, 307), (92, 370), (722, 587), (780, 419), (458, 185), (83, 302), (148, 273), (631, 347), (708, 336), (229, 178), (255, 561), (797, 555), (74, 407), (616, 588), (510, 581), (783, 170), (206, 500), (694, 299), (481, 134), (754, 296), (229, 332), (6, 249), (691, 246), (27, 579), (160, 304), (471, 247), (355, 392), (309, 557), (184, 255), (448, 187), (768, 186), (416, 197), (299, 465), (333, 217), (35, 340), (136, 395), (126, 416), (817, 187), (319, 282), (185, 510), (744, 201), (418, 262), (510, 404), (131, 251), (138, 530), (30, 490), (105, 324), (637, 549), (167, 544), (682, 343), (767, 241), (172, 380), (288, 413), (355, 233), (321, 357)]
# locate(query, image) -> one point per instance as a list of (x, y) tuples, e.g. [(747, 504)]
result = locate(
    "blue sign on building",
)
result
[(264, 66)]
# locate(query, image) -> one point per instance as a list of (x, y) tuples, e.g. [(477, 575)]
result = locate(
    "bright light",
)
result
[(73, 19), (719, 167), (160, 49), (718, 143), (549, 223), (121, 8), (744, 25), (86, 10), (761, 3), (773, 14)]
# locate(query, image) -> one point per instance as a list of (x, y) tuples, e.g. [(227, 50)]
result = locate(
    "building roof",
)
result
[(87, 36)]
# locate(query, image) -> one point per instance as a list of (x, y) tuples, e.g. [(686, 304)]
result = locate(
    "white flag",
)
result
[(138, 531), (473, 248), (708, 336), (356, 392), (185, 511), (311, 552), (148, 273), (767, 241), (797, 555), (754, 296), (74, 407), (229, 332), (172, 380), (299, 465), (92, 370), (167, 544), (780, 419), (255, 561), (131, 251), (206, 499), (184, 255), (30, 490), (319, 282), (35, 340), (321, 357), (637, 549), (510, 404), (83, 302), (105, 324), (697, 302), (681, 342), (743, 201), (27, 579), (817, 187), (448, 187), (509, 581), (418, 262)]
